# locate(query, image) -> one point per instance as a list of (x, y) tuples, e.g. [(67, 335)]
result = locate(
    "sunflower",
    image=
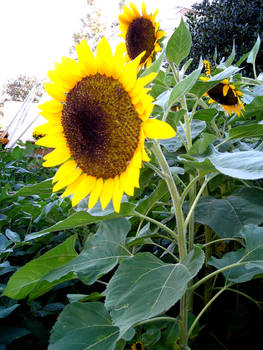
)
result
[(97, 123), (207, 67), (141, 33), (226, 95), (138, 346)]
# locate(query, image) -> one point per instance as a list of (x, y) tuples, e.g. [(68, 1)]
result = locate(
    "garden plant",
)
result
[(160, 212)]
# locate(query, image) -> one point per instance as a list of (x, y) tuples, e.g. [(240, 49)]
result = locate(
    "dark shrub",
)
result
[(217, 23)]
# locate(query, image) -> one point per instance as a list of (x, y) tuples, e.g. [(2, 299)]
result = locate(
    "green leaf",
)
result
[(155, 66), (228, 216), (26, 279), (144, 286), (206, 114), (231, 57), (252, 130), (8, 334), (6, 311), (254, 108), (201, 144), (82, 218), (173, 144), (246, 165), (73, 298), (100, 255), (84, 326), (252, 253), (161, 190), (42, 189), (253, 53), (179, 44), (183, 87)]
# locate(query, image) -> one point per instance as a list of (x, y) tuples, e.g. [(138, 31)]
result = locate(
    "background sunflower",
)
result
[(141, 33)]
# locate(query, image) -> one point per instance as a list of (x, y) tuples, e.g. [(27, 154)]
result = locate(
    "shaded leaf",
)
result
[(84, 326), (83, 218), (26, 279), (183, 87), (101, 253), (252, 253), (228, 216), (144, 286)]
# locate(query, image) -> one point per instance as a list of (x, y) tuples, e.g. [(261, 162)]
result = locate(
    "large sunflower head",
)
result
[(226, 95), (141, 33), (97, 123)]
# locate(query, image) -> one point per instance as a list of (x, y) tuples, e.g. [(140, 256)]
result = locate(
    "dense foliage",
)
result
[(180, 266), (217, 23)]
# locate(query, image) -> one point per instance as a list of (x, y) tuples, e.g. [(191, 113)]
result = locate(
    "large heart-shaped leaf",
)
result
[(101, 253), (144, 286), (228, 216), (252, 253), (26, 280), (246, 165), (84, 326)]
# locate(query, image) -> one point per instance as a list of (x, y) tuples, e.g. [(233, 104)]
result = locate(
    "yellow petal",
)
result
[(87, 61), (129, 13), (56, 157), (157, 129), (160, 34), (135, 10), (48, 128), (52, 141), (95, 193), (106, 193), (69, 65), (84, 187), (133, 175), (51, 106), (126, 184), (117, 194), (55, 91), (225, 90), (136, 160), (144, 13), (73, 186), (104, 57), (145, 156), (64, 170), (67, 180), (118, 61), (155, 14)]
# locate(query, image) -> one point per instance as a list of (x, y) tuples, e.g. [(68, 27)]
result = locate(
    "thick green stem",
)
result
[(181, 237), (175, 199), (190, 213)]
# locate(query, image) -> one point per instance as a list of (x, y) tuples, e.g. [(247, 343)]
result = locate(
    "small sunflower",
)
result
[(226, 95), (207, 68), (97, 123), (141, 33), (137, 346)]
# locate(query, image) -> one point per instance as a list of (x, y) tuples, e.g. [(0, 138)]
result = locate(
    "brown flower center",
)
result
[(140, 37), (101, 126), (216, 93)]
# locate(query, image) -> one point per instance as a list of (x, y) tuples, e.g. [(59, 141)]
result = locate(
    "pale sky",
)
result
[(36, 33)]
